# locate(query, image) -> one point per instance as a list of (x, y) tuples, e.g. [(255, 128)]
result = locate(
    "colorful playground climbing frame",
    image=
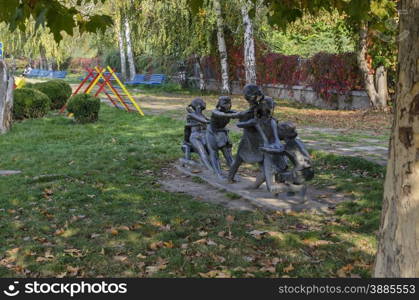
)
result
[(95, 76)]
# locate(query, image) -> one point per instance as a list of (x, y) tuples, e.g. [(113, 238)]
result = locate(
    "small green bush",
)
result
[(56, 90), (28, 85), (84, 107), (30, 103), (67, 90)]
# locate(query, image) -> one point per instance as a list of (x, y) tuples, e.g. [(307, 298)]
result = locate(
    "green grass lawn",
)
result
[(89, 204)]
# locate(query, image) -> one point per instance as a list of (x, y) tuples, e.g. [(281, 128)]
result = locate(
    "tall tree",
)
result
[(398, 247), (249, 43), (130, 52), (222, 48), (121, 36)]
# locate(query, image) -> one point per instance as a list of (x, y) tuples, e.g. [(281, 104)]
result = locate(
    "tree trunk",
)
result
[(6, 98), (122, 48), (202, 85), (381, 84), (130, 54), (398, 246), (222, 48), (249, 44), (365, 70), (44, 64)]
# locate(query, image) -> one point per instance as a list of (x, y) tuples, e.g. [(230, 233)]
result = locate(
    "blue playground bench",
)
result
[(154, 79), (33, 73), (138, 79), (59, 74), (46, 74)]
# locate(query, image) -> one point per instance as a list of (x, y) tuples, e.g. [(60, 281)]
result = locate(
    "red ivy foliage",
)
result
[(328, 74)]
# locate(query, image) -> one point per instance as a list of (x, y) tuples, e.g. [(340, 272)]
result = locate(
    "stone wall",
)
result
[(355, 100)]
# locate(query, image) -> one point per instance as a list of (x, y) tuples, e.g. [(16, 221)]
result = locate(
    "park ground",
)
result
[(89, 201)]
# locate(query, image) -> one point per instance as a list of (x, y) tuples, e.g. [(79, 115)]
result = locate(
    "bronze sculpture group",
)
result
[(282, 157)]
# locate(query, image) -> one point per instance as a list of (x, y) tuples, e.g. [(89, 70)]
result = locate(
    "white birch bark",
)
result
[(122, 47), (130, 54), (398, 247), (249, 44), (6, 98), (222, 48)]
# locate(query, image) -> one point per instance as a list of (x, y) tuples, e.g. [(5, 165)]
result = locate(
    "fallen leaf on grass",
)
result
[(288, 269), (201, 241), (120, 258), (156, 245), (112, 231), (221, 234), (168, 244), (257, 234), (216, 274), (94, 235), (59, 231), (72, 271), (342, 272), (74, 252), (211, 243), (161, 265), (230, 219)]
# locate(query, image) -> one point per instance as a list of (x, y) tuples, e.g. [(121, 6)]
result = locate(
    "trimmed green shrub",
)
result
[(56, 91), (84, 107), (28, 85), (67, 90), (30, 103)]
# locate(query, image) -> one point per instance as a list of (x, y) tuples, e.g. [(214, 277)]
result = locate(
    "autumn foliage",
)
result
[(328, 74)]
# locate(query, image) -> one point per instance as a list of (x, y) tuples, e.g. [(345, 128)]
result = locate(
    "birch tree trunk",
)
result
[(6, 98), (122, 47), (222, 48), (249, 44), (130, 54), (398, 247), (378, 100)]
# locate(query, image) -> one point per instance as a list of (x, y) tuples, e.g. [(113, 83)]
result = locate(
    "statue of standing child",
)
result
[(217, 134)]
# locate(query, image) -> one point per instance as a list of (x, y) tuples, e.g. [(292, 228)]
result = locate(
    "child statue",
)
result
[(195, 132), (217, 134), (260, 133)]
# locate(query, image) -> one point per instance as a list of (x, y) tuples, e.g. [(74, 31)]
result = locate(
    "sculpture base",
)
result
[(317, 200)]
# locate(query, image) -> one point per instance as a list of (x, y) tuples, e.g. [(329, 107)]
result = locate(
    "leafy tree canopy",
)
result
[(57, 15)]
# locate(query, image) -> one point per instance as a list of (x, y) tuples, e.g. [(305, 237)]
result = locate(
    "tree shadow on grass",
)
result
[(107, 215)]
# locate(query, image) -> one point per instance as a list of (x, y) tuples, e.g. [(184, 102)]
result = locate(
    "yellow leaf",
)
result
[(168, 244), (201, 241), (288, 269)]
